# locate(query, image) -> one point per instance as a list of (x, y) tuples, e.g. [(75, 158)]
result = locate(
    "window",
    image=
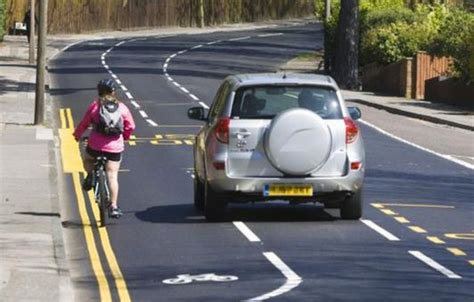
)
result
[(219, 101), (261, 102)]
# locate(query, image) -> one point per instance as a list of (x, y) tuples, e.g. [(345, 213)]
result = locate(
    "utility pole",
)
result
[(41, 64), (327, 55), (32, 31)]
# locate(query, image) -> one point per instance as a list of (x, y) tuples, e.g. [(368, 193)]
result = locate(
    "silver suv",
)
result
[(278, 137)]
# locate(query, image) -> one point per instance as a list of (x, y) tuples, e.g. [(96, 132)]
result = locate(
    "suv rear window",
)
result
[(264, 102)]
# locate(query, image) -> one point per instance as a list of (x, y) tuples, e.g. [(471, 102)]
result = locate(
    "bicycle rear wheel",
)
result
[(103, 199)]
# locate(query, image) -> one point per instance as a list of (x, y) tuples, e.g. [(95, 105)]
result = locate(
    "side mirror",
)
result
[(197, 113), (355, 113)]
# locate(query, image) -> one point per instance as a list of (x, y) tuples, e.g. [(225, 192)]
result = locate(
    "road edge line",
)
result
[(447, 157)]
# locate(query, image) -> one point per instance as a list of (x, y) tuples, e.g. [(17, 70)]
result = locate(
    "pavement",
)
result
[(33, 264)]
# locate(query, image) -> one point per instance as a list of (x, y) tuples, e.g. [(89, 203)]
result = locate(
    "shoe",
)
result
[(87, 183), (116, 213)]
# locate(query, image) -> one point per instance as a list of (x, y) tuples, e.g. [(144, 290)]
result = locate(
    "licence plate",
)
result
[(287, 190)]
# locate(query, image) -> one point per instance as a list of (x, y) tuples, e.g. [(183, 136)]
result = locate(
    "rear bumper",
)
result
[(351, 182)]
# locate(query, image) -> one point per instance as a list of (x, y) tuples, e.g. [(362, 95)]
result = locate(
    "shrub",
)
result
[(2, 19), (455, 39), (376, 18)]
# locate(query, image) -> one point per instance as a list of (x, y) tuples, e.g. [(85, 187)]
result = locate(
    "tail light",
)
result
[(351, 130), (356, 165), (222, 130)]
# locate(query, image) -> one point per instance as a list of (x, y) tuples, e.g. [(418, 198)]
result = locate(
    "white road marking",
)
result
[(244, 229), (194, 97), (204, 105), (114, 76), (152, 123), (182, 51), (176, 84), (240, 38), (292, 279), (106, 66), (123, 88), (135, 104), (165, 66), (129, 95), (173, 55), (143, 114), (118, 82), (270, 35), (214, 42), (184, 89), (380, 230), (197, 46), (435, 265), (457, 161)]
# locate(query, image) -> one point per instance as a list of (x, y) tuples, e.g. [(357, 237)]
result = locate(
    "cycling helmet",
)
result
[(106, 86)]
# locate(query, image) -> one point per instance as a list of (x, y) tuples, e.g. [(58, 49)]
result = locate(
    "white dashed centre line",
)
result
[(244, 229), (435, 265), (380, 230)]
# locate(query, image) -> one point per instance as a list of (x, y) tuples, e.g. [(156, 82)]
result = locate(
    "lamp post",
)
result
[(41, 63)]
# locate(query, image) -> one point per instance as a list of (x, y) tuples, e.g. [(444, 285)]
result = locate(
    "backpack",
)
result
[(110, 118)]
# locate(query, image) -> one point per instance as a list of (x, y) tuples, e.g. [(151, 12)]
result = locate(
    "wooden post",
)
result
[(32, 32)]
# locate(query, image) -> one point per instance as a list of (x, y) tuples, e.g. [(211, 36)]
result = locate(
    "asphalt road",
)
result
[(422, 203)]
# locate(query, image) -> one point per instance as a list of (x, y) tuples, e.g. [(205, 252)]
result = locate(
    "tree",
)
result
[(346, 61)]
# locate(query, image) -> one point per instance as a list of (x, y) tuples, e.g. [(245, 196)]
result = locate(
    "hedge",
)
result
[(2, 18)]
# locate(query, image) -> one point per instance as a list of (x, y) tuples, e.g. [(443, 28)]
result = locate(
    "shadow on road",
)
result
[(185, 213)]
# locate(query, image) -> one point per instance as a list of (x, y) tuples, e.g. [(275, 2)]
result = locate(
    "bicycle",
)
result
[(101, 187)]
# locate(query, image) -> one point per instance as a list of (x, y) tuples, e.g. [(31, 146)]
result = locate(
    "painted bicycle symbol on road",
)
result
[(187, 278)]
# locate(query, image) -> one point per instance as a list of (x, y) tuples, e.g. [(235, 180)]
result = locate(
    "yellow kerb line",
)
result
[(69, 118), (62, 118), (435, 239), (110, 255), (456, 251), (104, 289), (417, 229)]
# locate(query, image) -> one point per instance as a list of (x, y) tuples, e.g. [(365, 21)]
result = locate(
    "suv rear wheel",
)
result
[(351, 207), (214, 205)]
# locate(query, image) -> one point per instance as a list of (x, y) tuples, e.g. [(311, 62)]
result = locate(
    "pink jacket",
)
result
[(101, 142)]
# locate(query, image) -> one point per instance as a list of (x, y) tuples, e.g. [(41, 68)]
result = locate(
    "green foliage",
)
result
[(2, 18), (375, 18), (393, 42), (455, 39), (373, 5)]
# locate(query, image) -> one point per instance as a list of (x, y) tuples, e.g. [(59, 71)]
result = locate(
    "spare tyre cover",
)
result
[(298, 142)]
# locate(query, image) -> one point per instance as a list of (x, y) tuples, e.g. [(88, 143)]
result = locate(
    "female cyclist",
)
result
[(110, 145)]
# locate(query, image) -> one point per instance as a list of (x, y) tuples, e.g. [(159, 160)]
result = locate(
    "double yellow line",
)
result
[(72, 164)]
